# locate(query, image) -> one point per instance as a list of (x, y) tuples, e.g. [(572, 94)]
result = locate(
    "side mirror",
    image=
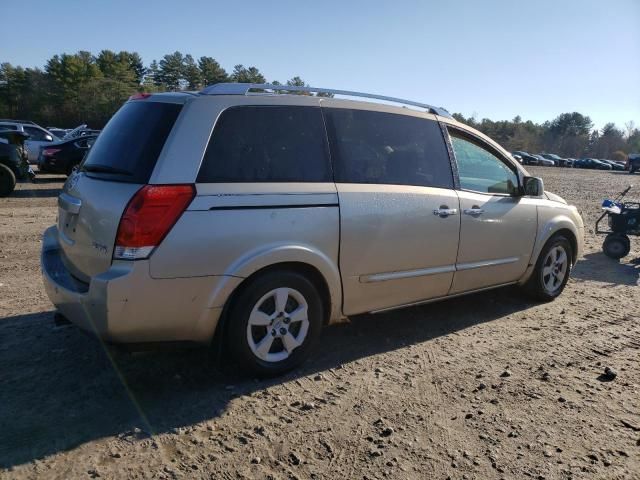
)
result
[(48, 138), (533, 186)]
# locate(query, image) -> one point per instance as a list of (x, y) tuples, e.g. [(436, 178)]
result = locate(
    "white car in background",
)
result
[(38, 136)]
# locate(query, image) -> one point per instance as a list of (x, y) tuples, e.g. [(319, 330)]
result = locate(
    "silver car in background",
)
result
[(38, 137), (259, 217)]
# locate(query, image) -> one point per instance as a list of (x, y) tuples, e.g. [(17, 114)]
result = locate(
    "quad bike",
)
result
[(13, 161), (624, 220)]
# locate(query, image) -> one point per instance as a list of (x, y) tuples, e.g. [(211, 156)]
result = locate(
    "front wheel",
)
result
[(274, 322), (552, 270), (7, 181), (616, 246)]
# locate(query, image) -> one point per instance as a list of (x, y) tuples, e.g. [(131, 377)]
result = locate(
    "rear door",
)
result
[(399, 213), (498, 226), (119, 163)]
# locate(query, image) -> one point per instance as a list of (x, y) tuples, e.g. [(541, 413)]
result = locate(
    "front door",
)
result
[(498, 225)]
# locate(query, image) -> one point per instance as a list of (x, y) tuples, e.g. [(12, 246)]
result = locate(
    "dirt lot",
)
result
[(487, 386)]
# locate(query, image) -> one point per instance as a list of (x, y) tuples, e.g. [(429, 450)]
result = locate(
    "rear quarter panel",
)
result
[(236, 230)]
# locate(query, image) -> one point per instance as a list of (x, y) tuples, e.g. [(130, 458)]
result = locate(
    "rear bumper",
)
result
[(126, 305)]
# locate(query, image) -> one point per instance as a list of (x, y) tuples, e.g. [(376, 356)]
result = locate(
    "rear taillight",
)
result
[(149, 217), (50, 152)]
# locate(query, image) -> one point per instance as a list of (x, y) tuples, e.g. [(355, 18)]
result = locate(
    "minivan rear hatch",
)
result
[(120, 162)]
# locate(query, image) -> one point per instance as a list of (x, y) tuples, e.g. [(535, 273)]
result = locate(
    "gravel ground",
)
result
[(481, 387)]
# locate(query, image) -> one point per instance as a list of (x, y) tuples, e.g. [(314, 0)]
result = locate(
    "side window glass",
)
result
[(267, 144), (387, 148), (35, 133), (480, 170)]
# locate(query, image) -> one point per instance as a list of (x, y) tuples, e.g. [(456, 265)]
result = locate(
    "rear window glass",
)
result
[(387, 148), (128, 147), (267, 144)]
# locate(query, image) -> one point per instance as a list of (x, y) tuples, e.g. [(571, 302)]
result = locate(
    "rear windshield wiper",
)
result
[(97, 168)]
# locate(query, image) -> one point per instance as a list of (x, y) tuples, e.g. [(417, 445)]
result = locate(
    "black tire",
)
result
[(7, 181), (616, 246), (535, 286), (242, 307)]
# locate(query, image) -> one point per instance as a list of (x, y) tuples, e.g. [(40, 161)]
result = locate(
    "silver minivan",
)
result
[(259, 213)]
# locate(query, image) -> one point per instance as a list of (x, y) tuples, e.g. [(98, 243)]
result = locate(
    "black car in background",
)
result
[(614, 165), (62, 157), (592, 163), (633, 162)]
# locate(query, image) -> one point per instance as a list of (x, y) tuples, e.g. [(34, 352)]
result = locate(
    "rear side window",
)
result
[(387, 148), (128, 147), (267, 144)]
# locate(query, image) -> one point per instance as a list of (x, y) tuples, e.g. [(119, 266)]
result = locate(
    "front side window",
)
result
[(480, 170), (267, 144), (387, 148)]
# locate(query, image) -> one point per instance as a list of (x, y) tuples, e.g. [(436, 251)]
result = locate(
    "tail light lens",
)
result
[(50, 152), (149, 217)]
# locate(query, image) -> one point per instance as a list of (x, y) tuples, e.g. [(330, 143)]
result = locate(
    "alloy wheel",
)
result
[(278, 324)]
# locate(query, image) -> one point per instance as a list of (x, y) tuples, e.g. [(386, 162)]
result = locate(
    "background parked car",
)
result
[(517, 158), (614, 165), (633, 162), (38, 136), (545, 162), (527, 158), (13, 160), (80, 131), (58, 132), (62, 157), (593, 164), (559, 161)]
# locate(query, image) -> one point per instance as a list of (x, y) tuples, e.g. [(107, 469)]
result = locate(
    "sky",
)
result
[(488, 58)]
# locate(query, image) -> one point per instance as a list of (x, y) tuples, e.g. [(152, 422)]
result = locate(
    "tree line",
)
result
[(86, 88), (569, 135)]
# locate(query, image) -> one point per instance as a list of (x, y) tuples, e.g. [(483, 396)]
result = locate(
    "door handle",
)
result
[(474, 211), (444, 211)]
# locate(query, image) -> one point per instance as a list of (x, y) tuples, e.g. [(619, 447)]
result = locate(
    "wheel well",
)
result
[(309, 271), (568, 234)]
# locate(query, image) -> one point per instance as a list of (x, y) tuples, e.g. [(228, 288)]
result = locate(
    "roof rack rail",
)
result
[(245, 89), (12, 120)]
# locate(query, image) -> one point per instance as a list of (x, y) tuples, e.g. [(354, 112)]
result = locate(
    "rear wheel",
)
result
[(616, 245), (274, 322), (7, 181), (552, 270)]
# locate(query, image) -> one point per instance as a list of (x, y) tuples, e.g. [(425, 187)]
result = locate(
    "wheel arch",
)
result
[(308, 270), (560, 225)]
